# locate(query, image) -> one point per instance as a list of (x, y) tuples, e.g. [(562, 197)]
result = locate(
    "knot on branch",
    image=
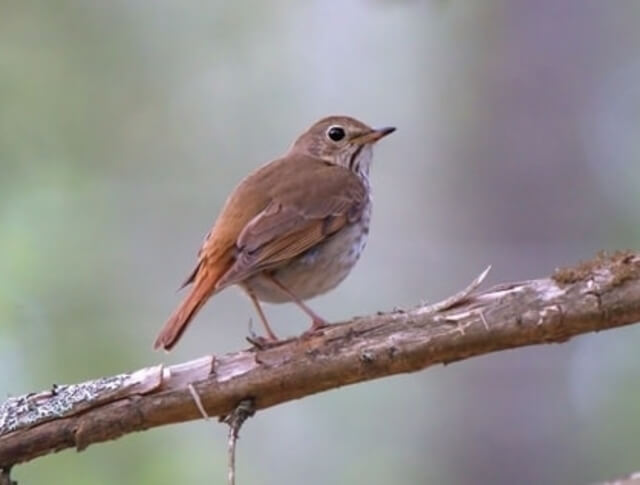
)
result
[(622, 265)]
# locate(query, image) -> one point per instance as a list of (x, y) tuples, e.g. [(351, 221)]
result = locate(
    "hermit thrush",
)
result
[(292, 229)]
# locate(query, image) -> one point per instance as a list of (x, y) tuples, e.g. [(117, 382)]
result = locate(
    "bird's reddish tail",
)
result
[(203, 288)]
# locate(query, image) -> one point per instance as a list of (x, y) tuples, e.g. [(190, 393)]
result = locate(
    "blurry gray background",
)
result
[(124, 125)]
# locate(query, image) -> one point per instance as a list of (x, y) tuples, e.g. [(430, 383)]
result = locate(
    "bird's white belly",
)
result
[(319, 269)]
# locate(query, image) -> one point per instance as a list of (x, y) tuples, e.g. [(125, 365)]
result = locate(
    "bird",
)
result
[(290, 230)]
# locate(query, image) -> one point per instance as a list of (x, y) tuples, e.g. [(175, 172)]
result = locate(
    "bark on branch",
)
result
[(596, 295)]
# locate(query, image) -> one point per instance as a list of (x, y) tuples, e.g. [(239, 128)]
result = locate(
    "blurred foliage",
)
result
[(124, 124)]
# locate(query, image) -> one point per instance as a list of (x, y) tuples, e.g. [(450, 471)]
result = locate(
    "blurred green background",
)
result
[(124, 125)]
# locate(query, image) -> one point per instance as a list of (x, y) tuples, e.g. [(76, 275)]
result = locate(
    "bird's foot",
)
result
[(317, 325), (262, 343)]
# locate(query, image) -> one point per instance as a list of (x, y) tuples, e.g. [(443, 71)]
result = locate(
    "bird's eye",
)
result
[(336, 133)]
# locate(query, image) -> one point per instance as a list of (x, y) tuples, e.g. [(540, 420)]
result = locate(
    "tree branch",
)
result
[(599, 294), (633, 479)]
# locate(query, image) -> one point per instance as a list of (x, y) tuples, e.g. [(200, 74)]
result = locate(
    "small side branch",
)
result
[(599, 294), (243, 411), (5, 477), (235, 420)]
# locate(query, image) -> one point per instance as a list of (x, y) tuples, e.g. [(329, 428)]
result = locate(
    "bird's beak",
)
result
[(373, 136)]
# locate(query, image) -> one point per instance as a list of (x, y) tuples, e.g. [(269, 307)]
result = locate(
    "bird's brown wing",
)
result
[(303, 211)]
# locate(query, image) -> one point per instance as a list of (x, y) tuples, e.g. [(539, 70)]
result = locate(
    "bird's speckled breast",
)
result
[(320, 268)]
